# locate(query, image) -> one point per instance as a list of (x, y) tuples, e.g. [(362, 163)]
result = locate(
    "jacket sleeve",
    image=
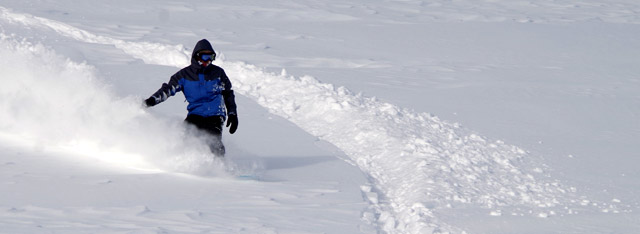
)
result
[(168, 89), (229, 97)]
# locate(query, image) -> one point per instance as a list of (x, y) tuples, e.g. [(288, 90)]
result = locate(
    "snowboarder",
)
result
[(208, 91)]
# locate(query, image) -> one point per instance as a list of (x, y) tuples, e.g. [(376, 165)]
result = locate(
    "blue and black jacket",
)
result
[(206, 88)]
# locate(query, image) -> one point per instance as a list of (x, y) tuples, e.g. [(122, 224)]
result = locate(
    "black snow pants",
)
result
[(213, 127)]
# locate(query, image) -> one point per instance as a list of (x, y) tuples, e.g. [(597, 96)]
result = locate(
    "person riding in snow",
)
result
[(208, 91)]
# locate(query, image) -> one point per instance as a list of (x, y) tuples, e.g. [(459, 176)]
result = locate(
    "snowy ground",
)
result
[(534, 121)]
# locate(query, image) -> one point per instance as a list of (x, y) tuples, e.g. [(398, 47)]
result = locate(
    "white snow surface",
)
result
[(335, 132)]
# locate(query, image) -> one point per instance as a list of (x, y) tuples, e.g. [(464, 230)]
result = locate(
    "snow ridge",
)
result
[(151, 53), (418, 164)]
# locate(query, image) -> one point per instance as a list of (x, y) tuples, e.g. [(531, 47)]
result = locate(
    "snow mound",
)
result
[(52, 103), (417, 162)]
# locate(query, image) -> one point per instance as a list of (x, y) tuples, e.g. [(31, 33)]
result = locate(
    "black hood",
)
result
[(200, 46)]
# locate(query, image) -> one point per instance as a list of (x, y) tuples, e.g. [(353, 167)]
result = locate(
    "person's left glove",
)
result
[(232, 120)]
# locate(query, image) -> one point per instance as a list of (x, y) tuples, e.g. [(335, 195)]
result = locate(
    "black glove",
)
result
[(233, 121), (150, 102)]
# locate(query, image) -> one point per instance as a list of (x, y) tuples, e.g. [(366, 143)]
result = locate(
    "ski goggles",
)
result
[(207, 56)]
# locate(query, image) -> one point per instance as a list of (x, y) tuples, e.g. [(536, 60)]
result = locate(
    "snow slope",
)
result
[(417, 173)]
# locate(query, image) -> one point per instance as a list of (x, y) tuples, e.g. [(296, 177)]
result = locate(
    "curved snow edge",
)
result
[(417, 162)]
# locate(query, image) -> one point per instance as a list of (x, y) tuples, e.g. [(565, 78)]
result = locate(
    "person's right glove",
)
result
[(150, 102), (232, 120)]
